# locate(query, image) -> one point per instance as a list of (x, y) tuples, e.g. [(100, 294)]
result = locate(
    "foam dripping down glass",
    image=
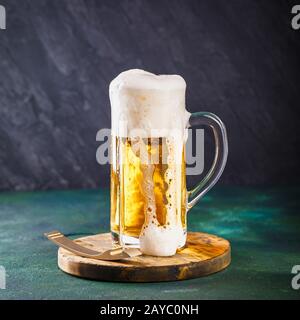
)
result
[(149, 199)]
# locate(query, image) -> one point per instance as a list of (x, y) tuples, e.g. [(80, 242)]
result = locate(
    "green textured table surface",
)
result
[(263, 226)]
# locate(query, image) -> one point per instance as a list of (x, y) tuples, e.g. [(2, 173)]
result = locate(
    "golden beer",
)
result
[(129, 197)]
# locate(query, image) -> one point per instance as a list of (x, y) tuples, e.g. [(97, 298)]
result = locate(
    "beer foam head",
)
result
[(159, 241), (143, 103)]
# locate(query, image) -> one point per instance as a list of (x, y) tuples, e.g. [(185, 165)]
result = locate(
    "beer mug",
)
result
[(149, 197)]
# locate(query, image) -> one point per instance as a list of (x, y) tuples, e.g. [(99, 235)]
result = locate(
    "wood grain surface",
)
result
[(203, 254)]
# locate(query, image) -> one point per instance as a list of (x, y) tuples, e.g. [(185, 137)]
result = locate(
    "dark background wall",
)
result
[(240, 60)]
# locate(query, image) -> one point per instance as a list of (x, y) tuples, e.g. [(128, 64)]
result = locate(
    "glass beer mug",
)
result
[(149, 198)]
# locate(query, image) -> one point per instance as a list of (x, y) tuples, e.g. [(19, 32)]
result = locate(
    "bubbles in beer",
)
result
[(166, 235)]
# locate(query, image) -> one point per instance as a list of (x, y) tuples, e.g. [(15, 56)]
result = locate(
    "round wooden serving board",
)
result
[(203, 254)]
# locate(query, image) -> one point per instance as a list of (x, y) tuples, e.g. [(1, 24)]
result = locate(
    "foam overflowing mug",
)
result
[(149, 198)]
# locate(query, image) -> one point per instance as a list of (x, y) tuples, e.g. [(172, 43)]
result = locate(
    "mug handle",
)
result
[(221, 153)]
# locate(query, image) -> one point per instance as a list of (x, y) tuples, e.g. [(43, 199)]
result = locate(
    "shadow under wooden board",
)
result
[(203, 254)]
